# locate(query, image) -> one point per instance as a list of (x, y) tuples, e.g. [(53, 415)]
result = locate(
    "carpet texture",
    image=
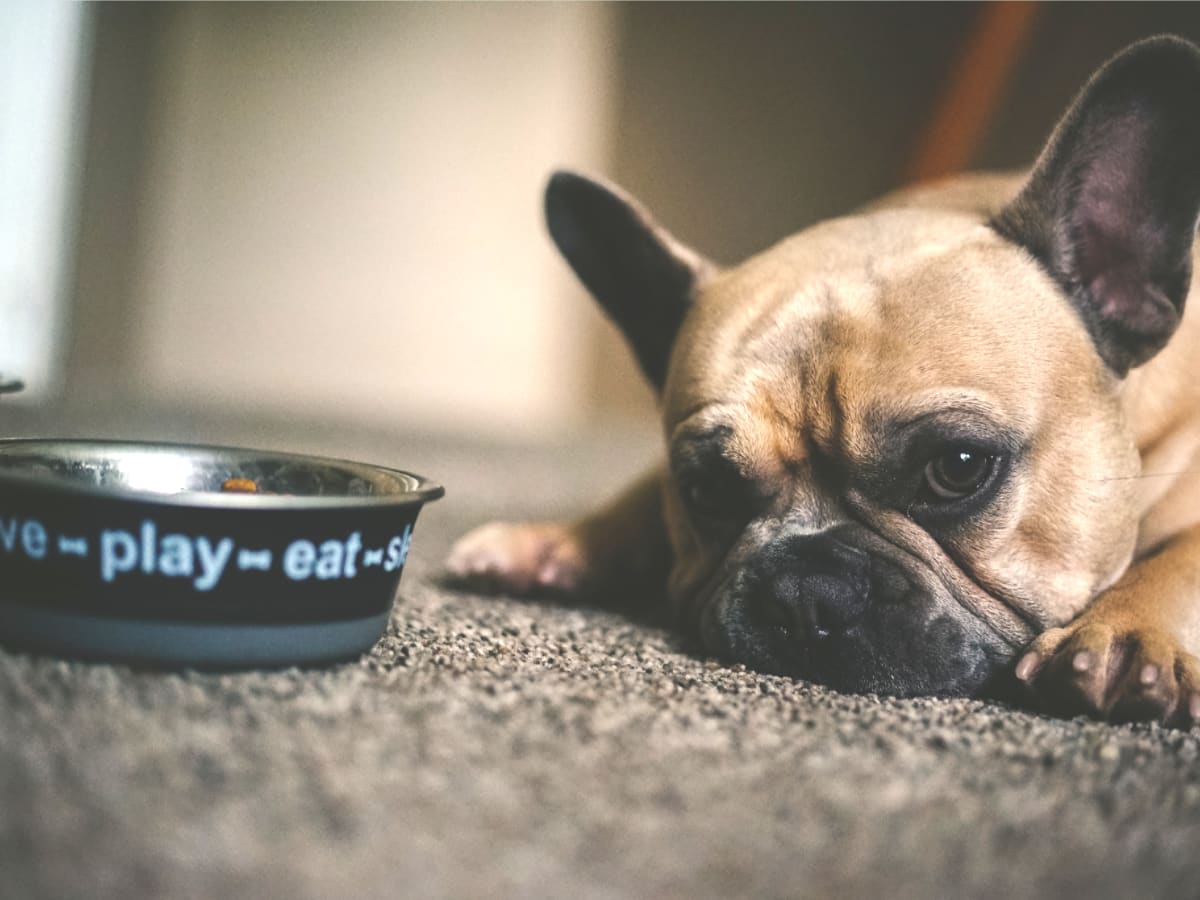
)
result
[(497, 748)]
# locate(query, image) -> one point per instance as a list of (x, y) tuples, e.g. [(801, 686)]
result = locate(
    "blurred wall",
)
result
[(333, 210)]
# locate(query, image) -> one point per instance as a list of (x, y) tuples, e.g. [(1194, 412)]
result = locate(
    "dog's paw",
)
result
[(519, 558), (1122, 674)]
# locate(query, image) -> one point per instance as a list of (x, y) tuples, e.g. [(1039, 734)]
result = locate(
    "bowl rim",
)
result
[(420, 489)]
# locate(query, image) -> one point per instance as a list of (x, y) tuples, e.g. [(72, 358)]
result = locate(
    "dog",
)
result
[(942, 445)]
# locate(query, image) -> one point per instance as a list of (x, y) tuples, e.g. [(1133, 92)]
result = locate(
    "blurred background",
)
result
[(332, 211)]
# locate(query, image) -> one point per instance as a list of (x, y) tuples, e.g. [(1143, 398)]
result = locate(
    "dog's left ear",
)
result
[(643, 278), (1111, 207)]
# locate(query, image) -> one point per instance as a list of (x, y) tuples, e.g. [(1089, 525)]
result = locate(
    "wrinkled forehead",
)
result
[(974, 326)]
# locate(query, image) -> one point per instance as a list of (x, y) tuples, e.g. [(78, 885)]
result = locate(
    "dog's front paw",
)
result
[(1109, 671), (519, 558)]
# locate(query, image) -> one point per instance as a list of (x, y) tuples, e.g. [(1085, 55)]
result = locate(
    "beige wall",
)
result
[(341, 211)]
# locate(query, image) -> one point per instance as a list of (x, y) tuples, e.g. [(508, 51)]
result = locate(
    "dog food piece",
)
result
[(239, 486)]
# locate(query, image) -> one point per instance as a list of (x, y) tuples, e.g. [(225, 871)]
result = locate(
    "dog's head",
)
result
[(897, 441)]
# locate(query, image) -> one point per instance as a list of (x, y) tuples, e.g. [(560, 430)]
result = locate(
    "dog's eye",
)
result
[(715, 498), (959, 472), (706, 498)]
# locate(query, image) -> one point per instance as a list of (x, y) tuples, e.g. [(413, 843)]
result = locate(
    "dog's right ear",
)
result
[(643, 278)]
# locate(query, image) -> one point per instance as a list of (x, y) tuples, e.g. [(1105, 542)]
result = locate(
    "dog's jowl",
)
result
[(931, 446)]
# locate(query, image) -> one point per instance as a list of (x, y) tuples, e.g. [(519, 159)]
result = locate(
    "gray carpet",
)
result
[(495, 748)]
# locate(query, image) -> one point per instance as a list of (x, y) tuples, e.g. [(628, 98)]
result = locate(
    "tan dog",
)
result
[(921, 448)]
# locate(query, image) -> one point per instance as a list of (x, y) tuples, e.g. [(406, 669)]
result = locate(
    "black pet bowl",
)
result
[(205, 557)]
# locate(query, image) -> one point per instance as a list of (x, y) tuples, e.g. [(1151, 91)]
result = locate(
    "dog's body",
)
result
[(905, 444)]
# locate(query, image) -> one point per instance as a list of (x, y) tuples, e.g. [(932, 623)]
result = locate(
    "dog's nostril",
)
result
[(837, 603), (816, 606), (780, 602)]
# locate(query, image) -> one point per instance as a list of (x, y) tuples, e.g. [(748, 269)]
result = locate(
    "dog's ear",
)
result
[(642, 277), (1111, 207)]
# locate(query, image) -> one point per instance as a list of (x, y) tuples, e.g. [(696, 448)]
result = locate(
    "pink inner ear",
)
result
[(1119, 246), (1121, 295), (1102, 244), (1111, 206), (1120, 241), (1121, 208)]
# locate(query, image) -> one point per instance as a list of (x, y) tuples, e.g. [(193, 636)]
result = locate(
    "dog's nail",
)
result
[(1082, 661), (1149, 674), (1027, 666)]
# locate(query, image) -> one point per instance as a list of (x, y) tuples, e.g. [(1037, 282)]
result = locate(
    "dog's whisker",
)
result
[(1141, 475)]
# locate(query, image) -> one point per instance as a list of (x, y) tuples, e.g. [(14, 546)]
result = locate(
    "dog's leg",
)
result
[(616, 554), (1130, 655)]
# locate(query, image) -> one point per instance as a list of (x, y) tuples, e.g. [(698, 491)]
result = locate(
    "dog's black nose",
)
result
[(815, 586)]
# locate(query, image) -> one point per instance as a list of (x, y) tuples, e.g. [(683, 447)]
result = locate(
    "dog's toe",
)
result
[(1186, 712), (1077, 677), (517, 558)]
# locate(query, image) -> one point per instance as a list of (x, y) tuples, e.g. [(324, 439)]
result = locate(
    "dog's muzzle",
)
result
[(836, 608)]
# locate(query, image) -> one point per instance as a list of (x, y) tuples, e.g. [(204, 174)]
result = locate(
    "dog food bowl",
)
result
[(193, 556)]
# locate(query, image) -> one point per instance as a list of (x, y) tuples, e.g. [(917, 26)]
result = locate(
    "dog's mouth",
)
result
[(914, 629)]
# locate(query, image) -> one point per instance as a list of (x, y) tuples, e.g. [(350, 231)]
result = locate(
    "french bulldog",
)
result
[(943, 444)]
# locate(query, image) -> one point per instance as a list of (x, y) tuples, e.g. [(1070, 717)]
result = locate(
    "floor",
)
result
[(496, 748)]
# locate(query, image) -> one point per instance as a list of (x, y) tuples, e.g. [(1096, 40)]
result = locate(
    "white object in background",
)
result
[(41, 47)]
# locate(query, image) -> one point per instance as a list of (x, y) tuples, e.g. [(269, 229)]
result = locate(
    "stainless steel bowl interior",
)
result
[(201, 473)]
